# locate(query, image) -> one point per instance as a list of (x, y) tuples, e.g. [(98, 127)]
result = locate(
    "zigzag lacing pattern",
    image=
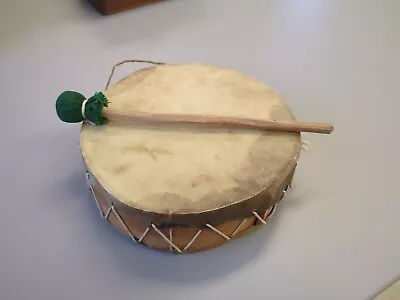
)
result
[(268, 213)]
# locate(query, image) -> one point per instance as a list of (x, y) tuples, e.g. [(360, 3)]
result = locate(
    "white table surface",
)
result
[(336, 235)]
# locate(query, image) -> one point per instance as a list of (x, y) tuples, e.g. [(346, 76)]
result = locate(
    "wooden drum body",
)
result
[(189, 188)]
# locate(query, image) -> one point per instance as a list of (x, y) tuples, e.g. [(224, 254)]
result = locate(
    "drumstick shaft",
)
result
[(281, 125)]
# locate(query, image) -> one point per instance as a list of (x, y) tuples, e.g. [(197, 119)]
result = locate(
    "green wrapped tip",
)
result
[(72, 107)]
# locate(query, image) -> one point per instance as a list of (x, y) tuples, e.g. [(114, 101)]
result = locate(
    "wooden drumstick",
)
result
[(73, 107), (294, 126)]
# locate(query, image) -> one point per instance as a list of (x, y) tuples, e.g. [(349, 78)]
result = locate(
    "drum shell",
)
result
[(195, 232)]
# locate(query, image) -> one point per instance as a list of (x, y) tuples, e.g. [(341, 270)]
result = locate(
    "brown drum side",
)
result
[(259, 202), (175, 237)]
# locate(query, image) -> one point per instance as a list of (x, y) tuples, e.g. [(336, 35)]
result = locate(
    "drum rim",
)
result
[(242, 208)]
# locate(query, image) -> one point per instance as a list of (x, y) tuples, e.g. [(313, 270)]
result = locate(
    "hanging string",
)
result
[(130, 61)]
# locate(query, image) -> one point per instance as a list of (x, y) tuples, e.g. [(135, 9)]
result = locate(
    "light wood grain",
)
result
[(186, 119)]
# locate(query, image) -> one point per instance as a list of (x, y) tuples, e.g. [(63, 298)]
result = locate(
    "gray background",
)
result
[(336, 234)]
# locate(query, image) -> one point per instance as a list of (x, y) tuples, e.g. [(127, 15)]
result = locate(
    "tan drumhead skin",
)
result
[(176, 170)]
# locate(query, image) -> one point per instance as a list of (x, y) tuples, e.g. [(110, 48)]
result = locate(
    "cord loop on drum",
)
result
[(130, 61)]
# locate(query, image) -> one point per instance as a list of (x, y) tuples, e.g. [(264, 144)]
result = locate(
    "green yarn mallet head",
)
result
[(73, 107)]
